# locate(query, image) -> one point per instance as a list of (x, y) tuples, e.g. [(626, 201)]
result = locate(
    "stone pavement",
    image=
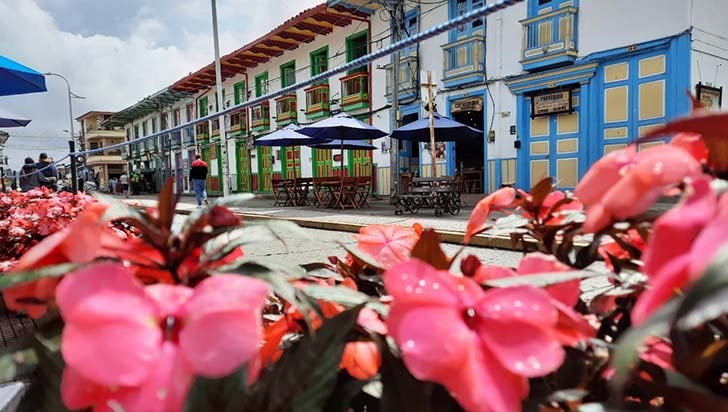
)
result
[(451, 228)]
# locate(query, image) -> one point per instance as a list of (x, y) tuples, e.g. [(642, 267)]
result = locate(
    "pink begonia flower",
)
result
[(140, 347), (625, 183), (482, 346), (478, 221), (388, 244), (683, 242), (571, 327)]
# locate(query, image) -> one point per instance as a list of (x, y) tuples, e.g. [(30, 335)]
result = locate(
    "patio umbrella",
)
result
[(446, 130), (18, 79), (288, 136), (342, 127), (8, 119)]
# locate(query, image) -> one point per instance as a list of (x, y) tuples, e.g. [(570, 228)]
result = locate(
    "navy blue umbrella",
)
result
[(446, 130), (288, 136), (342, 127), (8, 119), (18, 79)]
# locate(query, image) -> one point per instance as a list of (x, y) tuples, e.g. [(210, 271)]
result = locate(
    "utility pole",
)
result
[(396, 15), (430, 104), (220, 105)]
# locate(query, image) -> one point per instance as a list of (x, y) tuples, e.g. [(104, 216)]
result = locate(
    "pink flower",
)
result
[(482, 346), (571, 327), (479, 217), (558, 215), (388, 244), (683, 242), (625, 183), (139, 347)]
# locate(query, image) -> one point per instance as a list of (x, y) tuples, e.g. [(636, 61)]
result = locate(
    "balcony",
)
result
[(549, 40), (176, 141), (189, 136), (286, 110), (202, 131), (135, 150), (239, 123), (317, 101), (408, 78), (355, 91), (260, 117), (215, 130), (464, 61)]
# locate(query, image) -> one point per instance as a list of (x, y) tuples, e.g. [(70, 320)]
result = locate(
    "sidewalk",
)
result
[(451, 228)]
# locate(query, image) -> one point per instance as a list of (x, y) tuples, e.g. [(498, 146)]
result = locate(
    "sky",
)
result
[(114, 53)]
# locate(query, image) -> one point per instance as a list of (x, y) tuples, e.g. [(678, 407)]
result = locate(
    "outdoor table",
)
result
[(438, 193)]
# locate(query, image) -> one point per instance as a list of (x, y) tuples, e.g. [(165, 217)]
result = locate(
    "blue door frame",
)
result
[(450, 147)]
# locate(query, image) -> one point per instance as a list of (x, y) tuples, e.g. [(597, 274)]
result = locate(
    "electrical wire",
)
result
[(468, 17)]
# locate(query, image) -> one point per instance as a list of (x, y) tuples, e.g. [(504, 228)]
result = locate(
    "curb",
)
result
[(451, 237)]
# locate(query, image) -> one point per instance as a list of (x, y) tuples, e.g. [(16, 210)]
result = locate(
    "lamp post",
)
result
[(71, 144)]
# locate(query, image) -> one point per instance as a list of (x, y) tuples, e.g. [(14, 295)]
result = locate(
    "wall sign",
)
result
[(464, 105), (551, 102), (711, 97)]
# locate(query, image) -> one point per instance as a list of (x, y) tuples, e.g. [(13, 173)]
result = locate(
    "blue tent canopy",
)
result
[(18, 79), (8, 119)]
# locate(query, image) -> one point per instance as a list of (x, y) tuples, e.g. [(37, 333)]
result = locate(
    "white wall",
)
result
[(709, 43), (605, 25)]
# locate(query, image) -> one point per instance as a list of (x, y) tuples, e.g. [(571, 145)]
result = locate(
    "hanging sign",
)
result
[(711, 97), (552, 102), (464, 105)]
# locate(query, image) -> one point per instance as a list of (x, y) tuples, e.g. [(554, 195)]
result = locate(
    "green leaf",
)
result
[(305, 375), (345, 297), (224, 395), (626, 352), (343, 394), (322, 270), (363, 257), (401, 391), (45, 393), (544, 279), (707, 299), (18, 278)]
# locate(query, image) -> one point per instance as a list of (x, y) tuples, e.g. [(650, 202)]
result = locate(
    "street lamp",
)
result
[(74, 183)]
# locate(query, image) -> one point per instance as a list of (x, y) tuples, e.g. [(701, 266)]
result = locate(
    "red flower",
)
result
[(80, 242), (625, 183), (478, 221), (388, 244), (560, 213), (683, 243)]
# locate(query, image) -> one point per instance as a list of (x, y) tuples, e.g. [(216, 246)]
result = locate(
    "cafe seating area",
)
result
[(323, 192)]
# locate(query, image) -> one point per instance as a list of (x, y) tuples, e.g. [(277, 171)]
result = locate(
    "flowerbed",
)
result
[(179, 318)]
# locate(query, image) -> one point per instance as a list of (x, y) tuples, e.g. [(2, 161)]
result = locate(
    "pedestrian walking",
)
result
[(31, 178), (136, 183), (198, 178), (124, 182)]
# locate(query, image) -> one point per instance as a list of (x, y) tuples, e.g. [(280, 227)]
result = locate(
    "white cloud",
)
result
[(114, 71)]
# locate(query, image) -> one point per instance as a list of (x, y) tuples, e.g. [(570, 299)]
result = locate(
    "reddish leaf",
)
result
[(167, 205), (428, 250), (539, 193)]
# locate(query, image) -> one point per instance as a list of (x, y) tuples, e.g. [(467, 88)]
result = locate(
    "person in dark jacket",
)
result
[(48, 169), (31, 178), (198, 178)]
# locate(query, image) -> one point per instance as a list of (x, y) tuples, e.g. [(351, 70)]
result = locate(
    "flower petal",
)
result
[(223, 325), (479, 217), (519, 303), (170, 298), (673, 277), (361, 359), (417, 282), (387, 244)]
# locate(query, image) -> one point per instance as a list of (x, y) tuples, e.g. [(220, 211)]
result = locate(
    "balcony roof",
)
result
[(303, 28), (145, 106), (92, 113)]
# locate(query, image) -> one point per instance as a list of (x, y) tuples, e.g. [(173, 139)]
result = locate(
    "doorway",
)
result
[(469, 155)]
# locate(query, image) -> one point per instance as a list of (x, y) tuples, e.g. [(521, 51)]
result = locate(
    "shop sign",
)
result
[(465, 105), (711, 97), (552, 102)]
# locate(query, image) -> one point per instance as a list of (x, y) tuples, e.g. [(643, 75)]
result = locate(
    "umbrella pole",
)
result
[(432, 125)]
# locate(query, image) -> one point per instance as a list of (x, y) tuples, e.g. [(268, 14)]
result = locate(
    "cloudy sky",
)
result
[(116, 52)]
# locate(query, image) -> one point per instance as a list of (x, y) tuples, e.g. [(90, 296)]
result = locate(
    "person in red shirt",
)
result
[(198, 179)]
